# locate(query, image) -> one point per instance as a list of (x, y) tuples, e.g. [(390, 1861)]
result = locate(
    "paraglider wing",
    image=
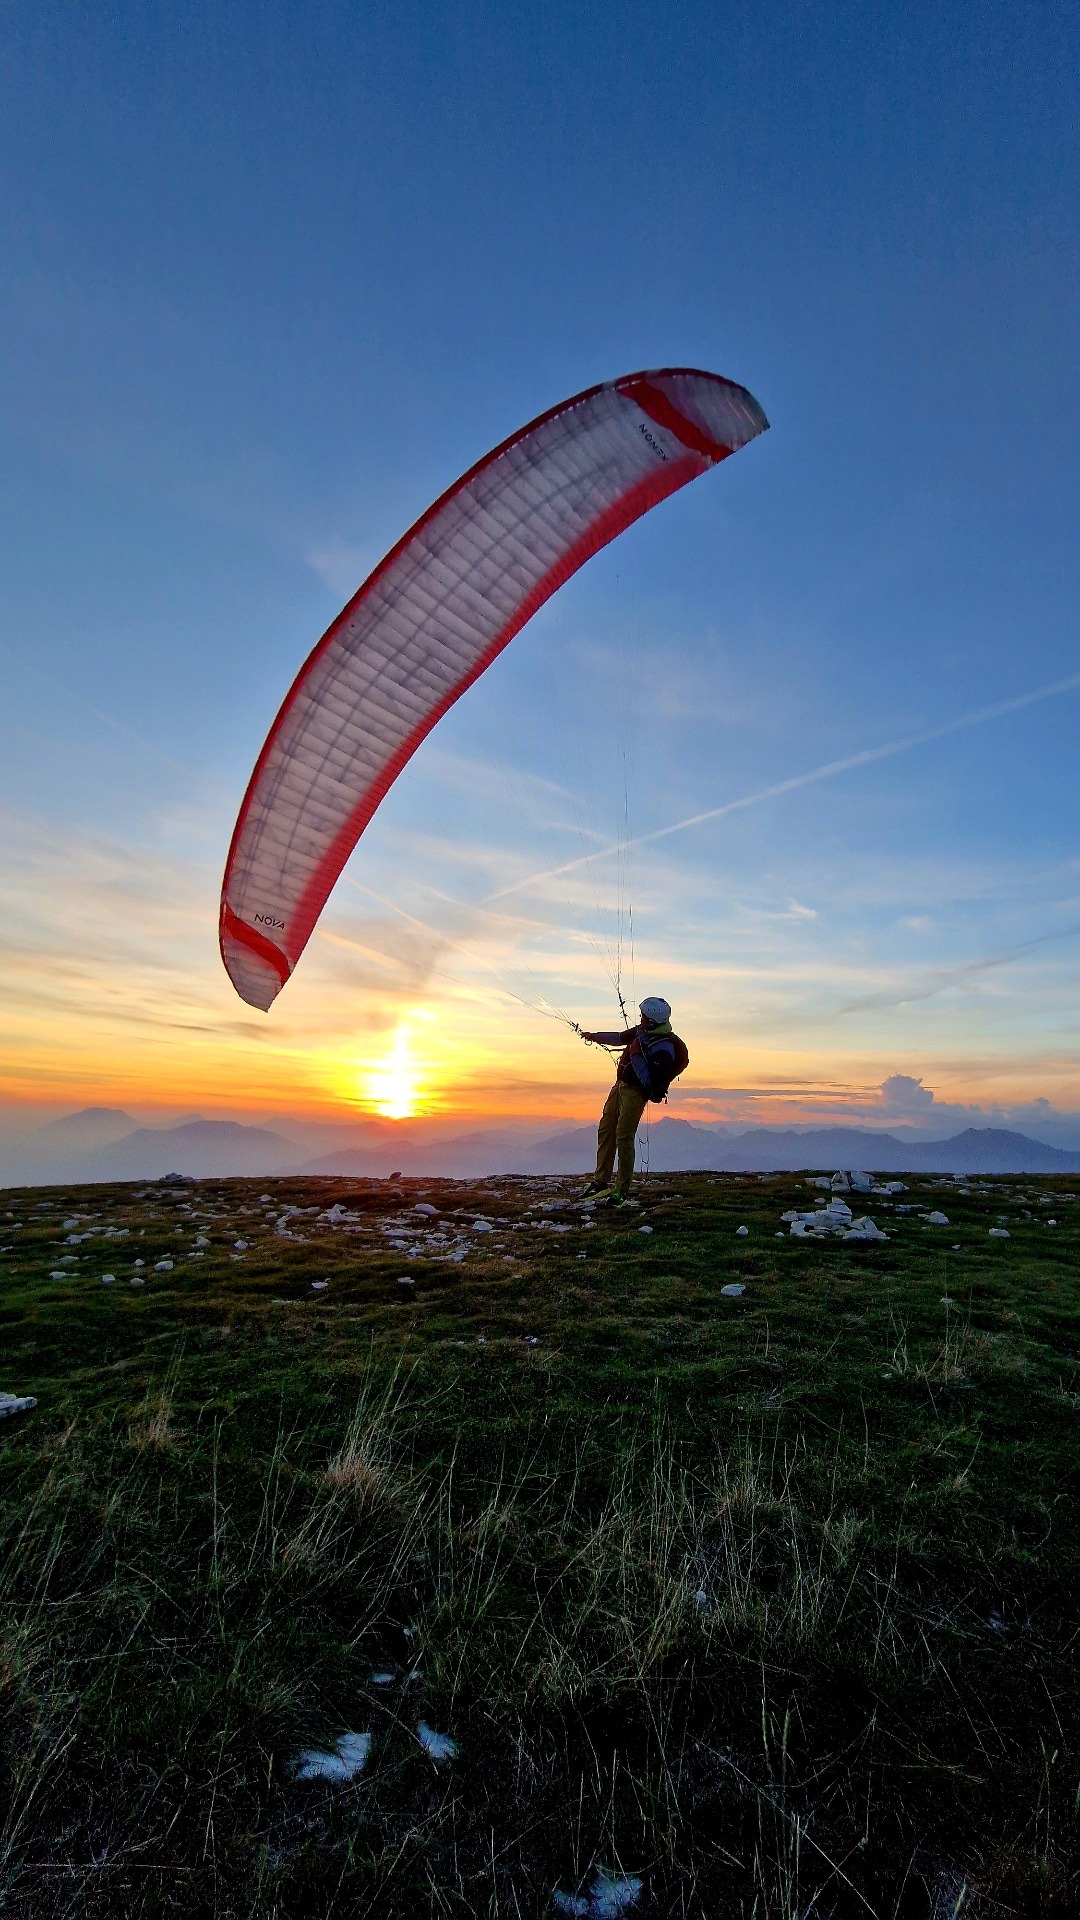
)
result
[(431, 618)]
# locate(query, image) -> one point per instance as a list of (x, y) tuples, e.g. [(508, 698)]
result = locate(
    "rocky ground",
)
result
[(442, 1547)]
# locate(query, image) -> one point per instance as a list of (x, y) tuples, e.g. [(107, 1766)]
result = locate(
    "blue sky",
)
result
[(274, 276)]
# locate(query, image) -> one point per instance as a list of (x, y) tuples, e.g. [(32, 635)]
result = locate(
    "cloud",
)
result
[(901, 1093), (931, 984)]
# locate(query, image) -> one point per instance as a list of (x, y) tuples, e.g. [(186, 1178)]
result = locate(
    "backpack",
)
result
[(664, 1059)]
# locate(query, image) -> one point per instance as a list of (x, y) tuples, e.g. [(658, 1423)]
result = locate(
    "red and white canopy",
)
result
[(433, 615)]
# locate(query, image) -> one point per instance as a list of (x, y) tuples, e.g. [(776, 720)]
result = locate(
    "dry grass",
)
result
[(803, 1658)]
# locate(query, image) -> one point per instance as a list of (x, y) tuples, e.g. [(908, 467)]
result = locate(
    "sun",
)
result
[(394, 1088)]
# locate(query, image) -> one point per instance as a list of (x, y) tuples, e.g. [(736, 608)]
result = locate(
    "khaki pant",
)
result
[(623, 1109)]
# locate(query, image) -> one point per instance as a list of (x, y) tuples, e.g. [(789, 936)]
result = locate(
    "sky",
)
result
[(274, 276)]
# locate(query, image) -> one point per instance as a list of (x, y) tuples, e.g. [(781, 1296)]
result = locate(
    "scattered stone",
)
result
[(107, 1279), (865, 1229), (999, 1233), (438, 1746), (163, 1266), (425, 1207), (12, 1403), (741, 1232), (644, 1229), (734, 1290), (319, 1286), (937, 1219), (609, 1895), (348, 1757)]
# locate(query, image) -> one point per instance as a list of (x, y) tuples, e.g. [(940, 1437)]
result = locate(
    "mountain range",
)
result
[(106, 1144)]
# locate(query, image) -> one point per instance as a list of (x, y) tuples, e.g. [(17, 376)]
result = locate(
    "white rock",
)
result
[(644, 1229), (11, 1403), (483, 1226), (319, 1286), (163, 1266), (937, 1219), (348, 1758), (733, 1290), (999, 1233), (240, 1245), (865, 1229), (609, 1895), (741, 1232), (107, 1279), (438, 1746), (425, 1207)]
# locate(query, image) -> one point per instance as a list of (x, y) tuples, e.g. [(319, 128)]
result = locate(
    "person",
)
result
[(652, 1055)]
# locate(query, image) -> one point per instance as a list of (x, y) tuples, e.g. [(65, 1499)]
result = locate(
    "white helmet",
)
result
[(655, 1009)]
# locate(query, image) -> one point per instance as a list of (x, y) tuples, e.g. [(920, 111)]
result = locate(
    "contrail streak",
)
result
[(98, 713), (934, 983), (815, 774)]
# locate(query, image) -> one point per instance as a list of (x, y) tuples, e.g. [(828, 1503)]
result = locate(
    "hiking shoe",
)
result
[(594, 1189)]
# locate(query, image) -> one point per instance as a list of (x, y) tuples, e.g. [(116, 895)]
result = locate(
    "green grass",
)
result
[(770, 1601)]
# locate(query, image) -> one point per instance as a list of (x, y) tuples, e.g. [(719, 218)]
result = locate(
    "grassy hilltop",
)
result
[(768, 1602)]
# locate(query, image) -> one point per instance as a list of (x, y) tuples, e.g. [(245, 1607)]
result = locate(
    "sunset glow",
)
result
[(394, 1088)]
